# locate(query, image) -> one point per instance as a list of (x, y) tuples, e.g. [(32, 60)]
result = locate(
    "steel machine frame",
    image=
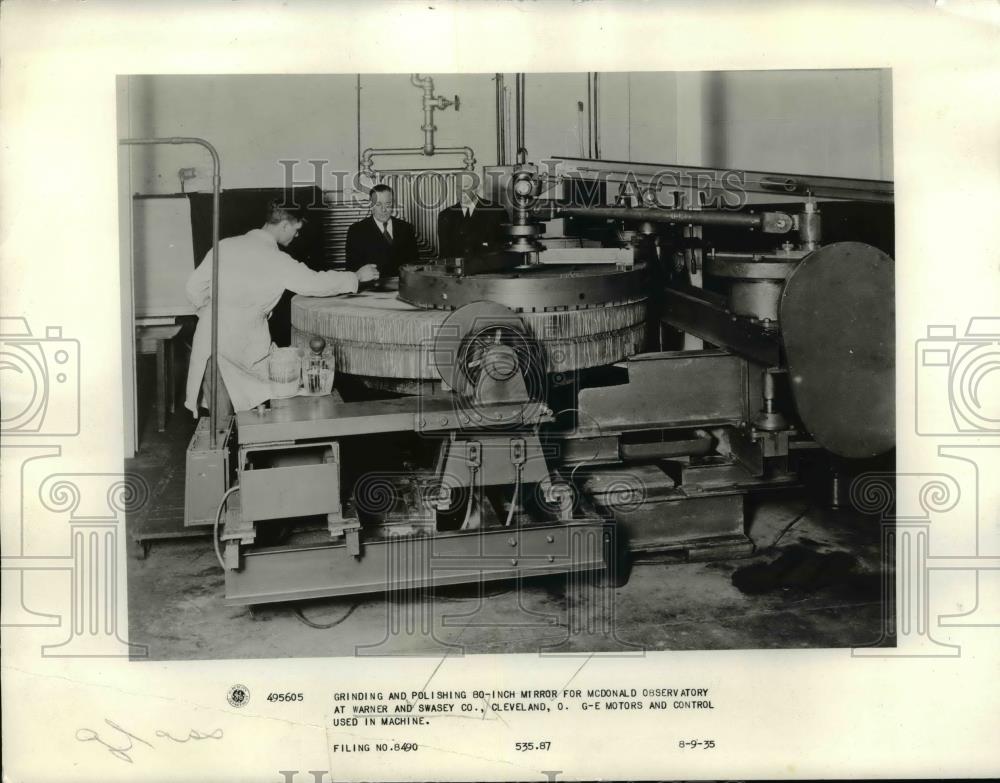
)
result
[(543, 429)]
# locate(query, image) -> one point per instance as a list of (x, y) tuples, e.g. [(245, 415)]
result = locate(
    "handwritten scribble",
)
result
[(194, 734), (120, 753)]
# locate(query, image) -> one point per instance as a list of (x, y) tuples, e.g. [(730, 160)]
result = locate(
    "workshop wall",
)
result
[(256, 121), (834, 123), (838, 123), (809, 122)]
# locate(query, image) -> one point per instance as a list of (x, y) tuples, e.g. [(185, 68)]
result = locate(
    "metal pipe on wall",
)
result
[(368, 157), (506, 121), (519, 112), (593, 115), (596, 97), (431, 102), (501, 121), (524, 114), (357, 116), (426, 83), (213, 410)]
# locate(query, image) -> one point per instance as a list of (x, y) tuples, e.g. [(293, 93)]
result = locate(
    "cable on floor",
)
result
[(788, 527), (325, 626), (218, 519)]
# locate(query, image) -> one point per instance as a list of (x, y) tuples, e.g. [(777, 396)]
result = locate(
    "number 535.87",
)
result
[(526, 746)]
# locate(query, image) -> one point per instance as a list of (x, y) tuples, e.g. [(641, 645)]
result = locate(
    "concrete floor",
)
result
[(176, 604)]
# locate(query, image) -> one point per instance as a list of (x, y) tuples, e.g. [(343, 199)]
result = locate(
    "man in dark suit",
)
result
[(381, 239), (471, 227)]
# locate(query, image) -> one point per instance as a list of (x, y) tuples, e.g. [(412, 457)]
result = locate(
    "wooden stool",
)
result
[(157, 340)]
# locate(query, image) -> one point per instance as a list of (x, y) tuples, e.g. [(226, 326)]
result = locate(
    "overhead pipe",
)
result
[(213, 410), (357, 116), (501, 121), (768, 222), (431, 102), (593, 116), (519, 90), (507, 118), (596, 99), (368, 156), (590, 118)]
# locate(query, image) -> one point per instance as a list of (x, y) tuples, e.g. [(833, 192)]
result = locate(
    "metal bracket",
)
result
[(474, 454), (559, 493), (746, 451), (518, 451), (775, 222), (773, 444), (353, 540), (232, 555)]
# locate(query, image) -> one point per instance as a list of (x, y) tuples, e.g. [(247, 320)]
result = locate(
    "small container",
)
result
[(283, 365), (318, 368), (284, 368)]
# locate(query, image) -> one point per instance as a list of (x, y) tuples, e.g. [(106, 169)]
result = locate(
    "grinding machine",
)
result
[(609, 386)]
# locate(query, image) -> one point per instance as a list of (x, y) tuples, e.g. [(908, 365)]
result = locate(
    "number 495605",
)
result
[(284, 697)]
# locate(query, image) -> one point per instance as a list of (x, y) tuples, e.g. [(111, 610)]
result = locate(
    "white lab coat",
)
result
[(253, 274)]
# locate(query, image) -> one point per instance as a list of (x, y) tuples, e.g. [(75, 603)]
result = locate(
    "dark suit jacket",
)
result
[(462, 236), (366, 245)]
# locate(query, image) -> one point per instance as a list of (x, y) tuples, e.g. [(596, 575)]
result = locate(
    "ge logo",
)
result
[(239, 695)]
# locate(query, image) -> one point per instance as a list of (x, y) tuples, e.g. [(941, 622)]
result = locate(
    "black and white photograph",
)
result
[(509, 362), (515, 390)]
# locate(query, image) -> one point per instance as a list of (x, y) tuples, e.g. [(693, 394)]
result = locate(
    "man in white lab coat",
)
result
[(253, 274)]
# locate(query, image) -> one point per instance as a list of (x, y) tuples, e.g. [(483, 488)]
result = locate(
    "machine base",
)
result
[(297, 573)]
